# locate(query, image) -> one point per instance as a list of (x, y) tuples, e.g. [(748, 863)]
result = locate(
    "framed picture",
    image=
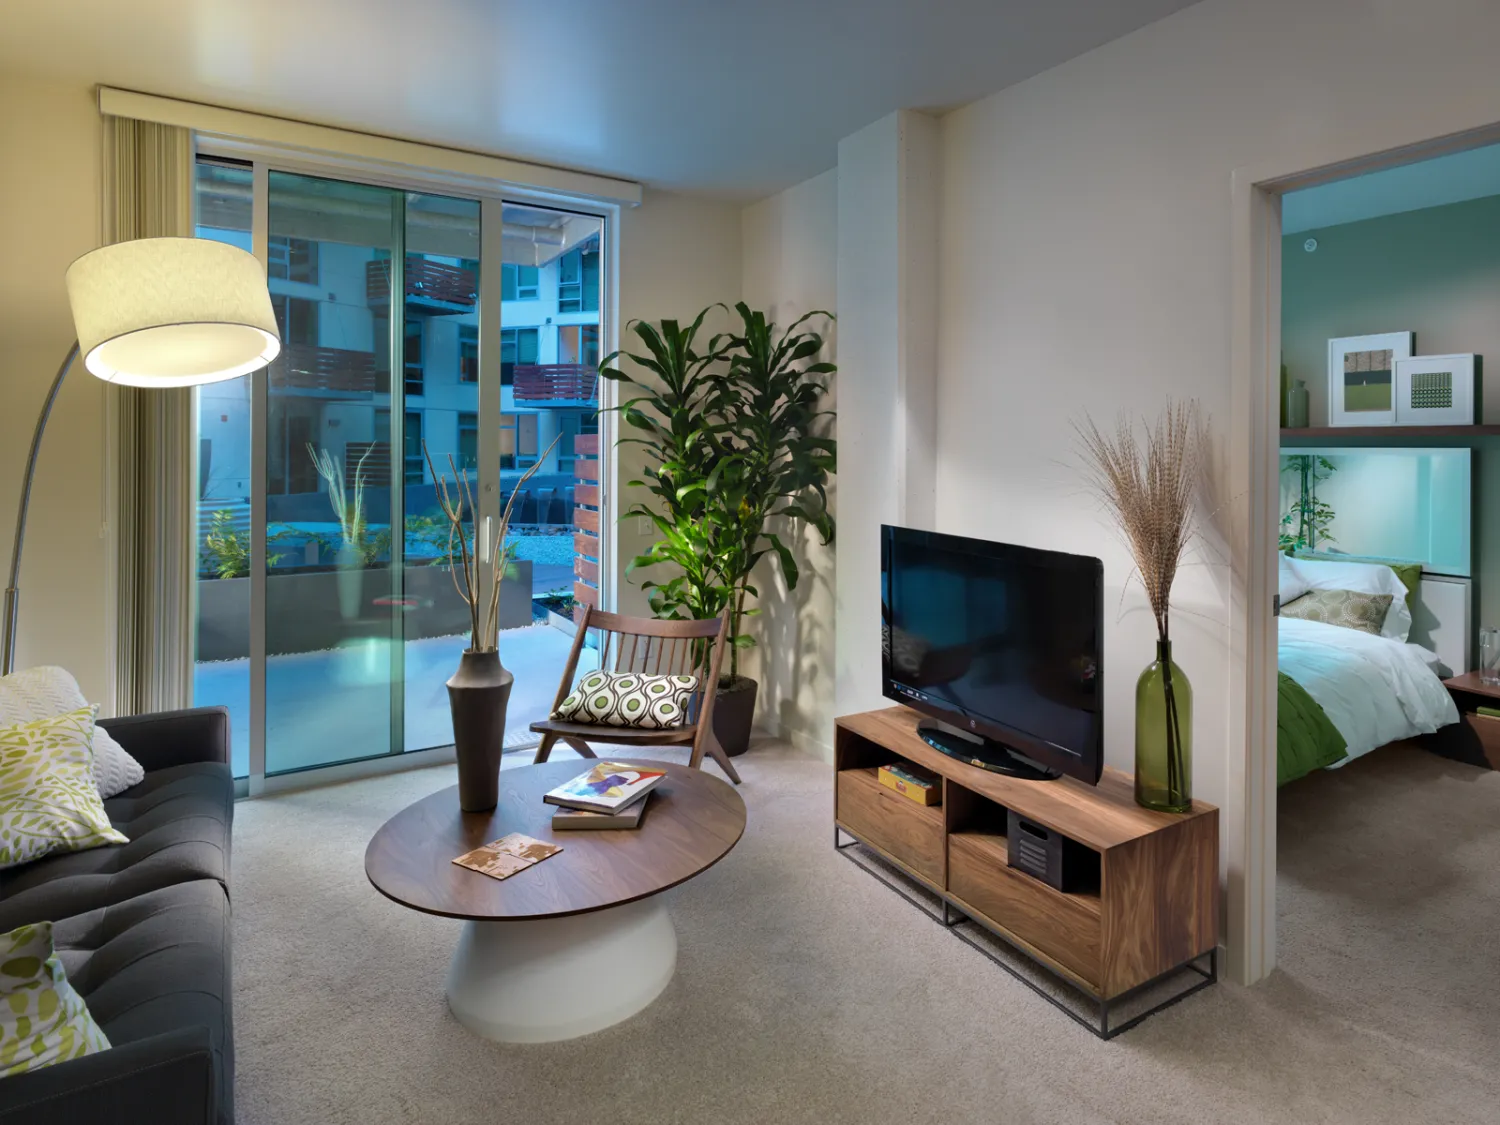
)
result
[(1362, 378), (1437, 390)]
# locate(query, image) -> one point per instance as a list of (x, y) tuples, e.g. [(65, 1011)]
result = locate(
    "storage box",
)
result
[(912, 782)]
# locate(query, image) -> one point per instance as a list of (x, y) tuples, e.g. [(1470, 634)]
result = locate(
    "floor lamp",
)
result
[(154, 312)]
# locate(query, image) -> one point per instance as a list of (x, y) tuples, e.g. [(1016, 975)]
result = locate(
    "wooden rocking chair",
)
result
[(652, 648)]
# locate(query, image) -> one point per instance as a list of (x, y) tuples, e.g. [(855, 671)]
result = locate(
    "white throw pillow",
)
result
[(47, 692), (1290, 584), (1362, 578)]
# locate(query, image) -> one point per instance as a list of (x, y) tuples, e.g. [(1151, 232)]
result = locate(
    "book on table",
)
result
[(581, 820), (608, 787)]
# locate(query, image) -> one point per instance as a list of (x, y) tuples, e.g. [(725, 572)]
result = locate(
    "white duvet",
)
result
[(1374, 690)]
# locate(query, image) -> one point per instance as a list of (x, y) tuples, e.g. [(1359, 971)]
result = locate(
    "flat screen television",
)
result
[(1001, 646)]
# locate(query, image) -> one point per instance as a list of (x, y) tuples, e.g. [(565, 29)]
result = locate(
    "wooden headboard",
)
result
[(1442, 620)]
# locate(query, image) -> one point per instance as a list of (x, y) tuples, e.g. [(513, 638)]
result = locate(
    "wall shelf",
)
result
[(1386, 435)]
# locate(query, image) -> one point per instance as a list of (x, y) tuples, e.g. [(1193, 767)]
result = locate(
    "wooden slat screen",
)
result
[(586, 515)]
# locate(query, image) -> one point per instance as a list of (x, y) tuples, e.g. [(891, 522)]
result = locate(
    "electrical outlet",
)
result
[(642, 526)]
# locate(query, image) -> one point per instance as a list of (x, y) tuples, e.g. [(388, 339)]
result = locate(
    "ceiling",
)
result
[(1454, 178), (737, 100)]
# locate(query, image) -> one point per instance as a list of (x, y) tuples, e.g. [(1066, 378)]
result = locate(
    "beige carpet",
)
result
[(806, 992)]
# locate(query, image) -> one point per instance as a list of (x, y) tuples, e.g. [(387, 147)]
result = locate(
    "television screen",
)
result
[(1001, 641)]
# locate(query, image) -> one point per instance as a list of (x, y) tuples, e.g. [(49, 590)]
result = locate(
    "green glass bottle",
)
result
[(1164, 735)]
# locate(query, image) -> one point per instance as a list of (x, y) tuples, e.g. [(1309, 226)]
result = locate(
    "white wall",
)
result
[(789, 268), (678, 255), (1085, 248), (49, 215)]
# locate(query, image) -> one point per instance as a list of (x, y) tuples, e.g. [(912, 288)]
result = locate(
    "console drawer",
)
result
[(905, 830)]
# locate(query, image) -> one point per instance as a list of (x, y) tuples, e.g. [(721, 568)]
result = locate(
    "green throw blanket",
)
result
[(1306, 738)]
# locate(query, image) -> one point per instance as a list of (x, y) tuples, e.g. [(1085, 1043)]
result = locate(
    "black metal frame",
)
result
[(954, 918)]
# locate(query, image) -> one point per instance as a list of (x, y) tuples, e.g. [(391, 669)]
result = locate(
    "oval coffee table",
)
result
[(577, 942)]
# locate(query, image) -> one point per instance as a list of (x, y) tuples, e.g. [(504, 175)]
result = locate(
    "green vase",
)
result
[(1164, 735)]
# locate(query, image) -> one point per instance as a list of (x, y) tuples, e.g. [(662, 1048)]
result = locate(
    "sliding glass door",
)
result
[(421, 332)]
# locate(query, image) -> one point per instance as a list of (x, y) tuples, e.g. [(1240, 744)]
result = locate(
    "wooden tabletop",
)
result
[(692, 820), (1471, 683)]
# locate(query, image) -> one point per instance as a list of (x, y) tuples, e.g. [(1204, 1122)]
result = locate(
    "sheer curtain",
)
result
[(148, 192)]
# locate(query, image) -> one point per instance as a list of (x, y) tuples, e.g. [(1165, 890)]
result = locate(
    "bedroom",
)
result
[(1390, 563)]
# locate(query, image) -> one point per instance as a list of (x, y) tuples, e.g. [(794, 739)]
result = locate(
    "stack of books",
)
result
[(611, 795)]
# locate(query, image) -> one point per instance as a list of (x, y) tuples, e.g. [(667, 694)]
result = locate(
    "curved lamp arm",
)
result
[(12, 595)]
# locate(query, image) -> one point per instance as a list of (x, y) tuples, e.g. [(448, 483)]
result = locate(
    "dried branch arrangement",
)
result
[(1152, 491), (456, 499)]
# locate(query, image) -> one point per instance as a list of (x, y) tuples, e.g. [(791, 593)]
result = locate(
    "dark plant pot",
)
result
[(478, 694), (734, 711)]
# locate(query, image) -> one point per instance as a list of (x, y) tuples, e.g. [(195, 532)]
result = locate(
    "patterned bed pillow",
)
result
[(48, 801), (628, 699), (1348, 608), (43, 1020)]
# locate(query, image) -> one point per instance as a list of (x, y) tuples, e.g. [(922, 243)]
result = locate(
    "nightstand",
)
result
[(1476, 739)]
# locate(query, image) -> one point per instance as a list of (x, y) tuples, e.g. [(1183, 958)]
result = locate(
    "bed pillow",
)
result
[(1290, 585), (43, 1020), (48, 800), (1360, 578), (627, 699), (1347, 608), (48, 691)]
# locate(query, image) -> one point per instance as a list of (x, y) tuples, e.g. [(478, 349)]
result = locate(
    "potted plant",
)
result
[(479, 691), (737, 453)]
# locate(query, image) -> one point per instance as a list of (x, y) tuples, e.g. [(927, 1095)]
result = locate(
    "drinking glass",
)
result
[(1489, 655)]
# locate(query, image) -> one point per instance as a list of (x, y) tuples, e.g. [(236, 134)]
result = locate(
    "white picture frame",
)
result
[(1436, 390), (1362, 377)]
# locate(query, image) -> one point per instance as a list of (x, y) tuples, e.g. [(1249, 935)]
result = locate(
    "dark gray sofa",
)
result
[(143, 932)]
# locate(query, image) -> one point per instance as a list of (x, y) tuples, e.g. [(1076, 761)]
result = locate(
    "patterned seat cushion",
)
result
[(627, 699)]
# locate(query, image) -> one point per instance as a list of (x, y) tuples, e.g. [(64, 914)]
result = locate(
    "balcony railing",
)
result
[(555, 382), (305, 367), (426, 280)]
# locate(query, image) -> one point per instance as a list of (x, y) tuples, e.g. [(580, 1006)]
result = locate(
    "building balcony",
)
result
[(311, 368), (555, 384), (435, 287)]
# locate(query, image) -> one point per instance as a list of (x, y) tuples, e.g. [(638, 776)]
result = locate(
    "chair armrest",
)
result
[(167, 1079), (173, 738)]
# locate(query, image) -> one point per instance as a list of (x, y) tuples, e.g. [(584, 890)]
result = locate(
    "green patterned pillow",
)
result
[(1352, 610), (48, 799), (42, 1019), (627, 699)]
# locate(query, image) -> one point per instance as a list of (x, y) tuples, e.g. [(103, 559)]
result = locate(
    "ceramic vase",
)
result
[(478, 695)]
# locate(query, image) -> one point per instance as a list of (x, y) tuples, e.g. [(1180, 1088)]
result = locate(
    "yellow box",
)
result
[(912, 782)]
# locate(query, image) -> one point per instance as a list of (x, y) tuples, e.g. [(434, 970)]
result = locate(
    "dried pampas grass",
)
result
[(1151, 491)]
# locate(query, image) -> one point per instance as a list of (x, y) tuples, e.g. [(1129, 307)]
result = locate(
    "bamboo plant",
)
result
[(1152, 492)]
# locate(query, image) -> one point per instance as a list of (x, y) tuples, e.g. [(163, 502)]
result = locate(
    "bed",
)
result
[(1342, 692)]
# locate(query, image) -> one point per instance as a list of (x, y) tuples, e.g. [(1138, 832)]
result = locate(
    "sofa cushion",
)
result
[(43, 1020), (156, 964), (178, 822)]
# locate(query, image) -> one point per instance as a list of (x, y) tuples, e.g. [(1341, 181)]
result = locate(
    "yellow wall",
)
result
[(49, 214)]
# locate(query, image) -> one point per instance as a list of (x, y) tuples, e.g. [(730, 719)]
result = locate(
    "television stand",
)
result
[(1132, 932), (982, 752)]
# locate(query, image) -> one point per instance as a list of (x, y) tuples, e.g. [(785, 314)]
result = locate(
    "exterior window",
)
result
[(413, 360), (518, 283), (292, 259), (578, 281), (413, 441), (468, 441), (297, 317), (517, 345), (468, 353), (578, 343), (517, 440)]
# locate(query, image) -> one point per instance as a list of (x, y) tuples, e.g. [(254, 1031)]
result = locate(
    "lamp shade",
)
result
[(171, 312)]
